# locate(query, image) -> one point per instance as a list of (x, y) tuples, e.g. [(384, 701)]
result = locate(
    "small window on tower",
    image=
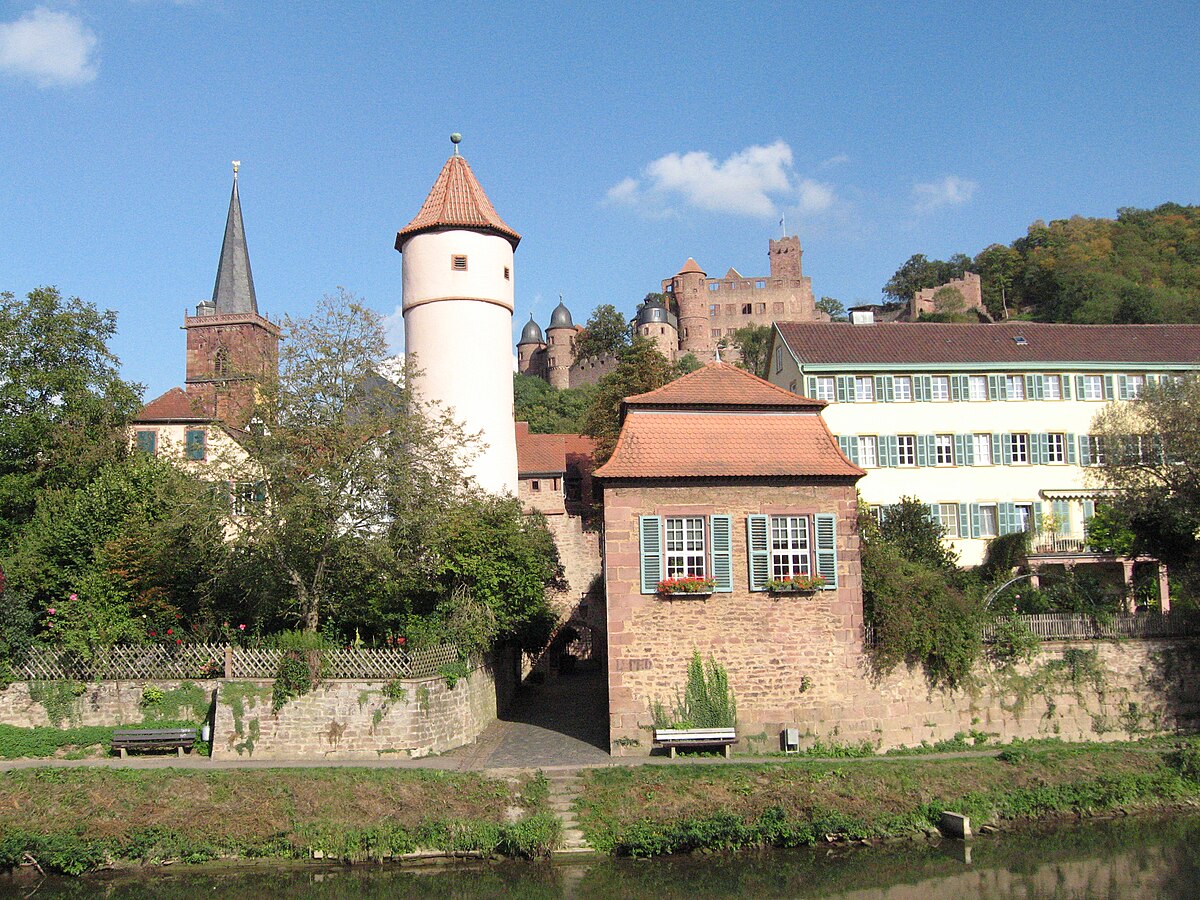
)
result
[(507, 273), (458, 262), (221, 362)]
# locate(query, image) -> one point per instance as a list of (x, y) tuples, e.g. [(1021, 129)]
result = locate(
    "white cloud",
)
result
[(746, 183), (49, 48), (839, 160), (949, 191), (815, 197)]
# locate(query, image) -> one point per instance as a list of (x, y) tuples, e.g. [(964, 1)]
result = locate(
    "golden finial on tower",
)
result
[(236, 164)]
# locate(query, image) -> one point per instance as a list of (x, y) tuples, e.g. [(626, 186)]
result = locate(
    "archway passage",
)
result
[(560, 722)]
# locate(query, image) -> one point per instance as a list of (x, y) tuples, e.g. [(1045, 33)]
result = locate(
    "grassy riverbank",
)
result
[(78, 819), (653, 810)]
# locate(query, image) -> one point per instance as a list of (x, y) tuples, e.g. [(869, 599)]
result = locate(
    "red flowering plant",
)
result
[(795, 584), (686, 584)]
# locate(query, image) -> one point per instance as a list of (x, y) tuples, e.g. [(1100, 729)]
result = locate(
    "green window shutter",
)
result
[(1069, 441), (1123, 387), (195, 443), (935, 513), (1007, 515), (964, 520), (889, 384), (1066, 387), (721, 529), (812, 386), (845, 389), (1033, 384), (1062, 516), (881, 389), (923, 387), (848, 444), (889, 451), (147, 442), (956, 388), (758, 536), (1006, 453), (1085, 450), (1089, 510), (994, 385), (1109, 393), (1037, 516), (1035, 449), (825, 526), (922, 453), (962, 449), (260, 491), (1079, 386), (997, 450), (854, 449), (650, 531), (976, 525)]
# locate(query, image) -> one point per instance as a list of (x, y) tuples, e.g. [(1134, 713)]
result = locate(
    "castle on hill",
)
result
[(695, 316)]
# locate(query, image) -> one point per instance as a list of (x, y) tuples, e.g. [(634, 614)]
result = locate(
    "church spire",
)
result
[(234, 290)]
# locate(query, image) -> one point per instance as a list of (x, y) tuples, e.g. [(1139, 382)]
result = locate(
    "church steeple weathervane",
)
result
[(234, 290)]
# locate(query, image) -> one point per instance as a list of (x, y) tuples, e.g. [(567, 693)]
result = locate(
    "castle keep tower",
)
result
[(687, 287), (561, 347), (458, 302), (230, 347)]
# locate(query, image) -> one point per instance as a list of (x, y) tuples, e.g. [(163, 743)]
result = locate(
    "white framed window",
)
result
[(864, 389), (940, 387), (868, 451), (826, 388), (1024, 516), (948, 518), (791, 547), (246, 496), (714, 310), (1020, 449), (685, 546), (944, 449), (989, 522), (1096, 450), (902, 388), (1093, 387), (714, 285), (977, 387), (1015, 387), (906, 450), (981, 445), (1135, 385), (1056, 448), (1052, 387), (876, 513)]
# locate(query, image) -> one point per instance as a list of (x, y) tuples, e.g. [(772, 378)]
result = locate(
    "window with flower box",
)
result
[(792, 547), (686, 547)]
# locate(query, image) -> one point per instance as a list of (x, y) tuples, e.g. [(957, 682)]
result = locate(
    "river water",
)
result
[(1126, 858)]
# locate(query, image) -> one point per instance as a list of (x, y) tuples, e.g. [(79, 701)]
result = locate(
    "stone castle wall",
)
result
[(106, 703)]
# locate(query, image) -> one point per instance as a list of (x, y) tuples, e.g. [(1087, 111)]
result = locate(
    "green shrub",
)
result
[(1013, 641), (707, 700)]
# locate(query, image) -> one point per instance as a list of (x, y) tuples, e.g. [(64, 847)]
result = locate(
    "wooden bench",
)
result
[(674, 738), (178, 739)]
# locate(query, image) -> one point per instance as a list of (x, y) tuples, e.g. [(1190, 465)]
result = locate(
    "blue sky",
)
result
[(619, 139)]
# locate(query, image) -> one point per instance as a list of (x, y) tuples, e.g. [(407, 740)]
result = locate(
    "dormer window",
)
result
[(458, 262)]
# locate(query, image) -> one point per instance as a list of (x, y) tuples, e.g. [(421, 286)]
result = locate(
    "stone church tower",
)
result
[(458, 306), (230, 347)]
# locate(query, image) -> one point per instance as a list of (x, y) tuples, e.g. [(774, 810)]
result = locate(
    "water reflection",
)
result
[(1144, 857)]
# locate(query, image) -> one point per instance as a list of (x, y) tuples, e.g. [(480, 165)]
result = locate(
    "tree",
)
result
[(998, 267), (753, 342), (1151, 462), (949, 305), (63, 404), (640, 368), (606, 332), (834, 308), (920, 272), (547, 410), (909, 526)]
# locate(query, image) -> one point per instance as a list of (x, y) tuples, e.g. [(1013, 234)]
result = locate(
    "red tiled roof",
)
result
[(721, 421), (917, 343), (538, 454), (720, 384), (684, 444), (690, 266), (456, 200), (174, 406)]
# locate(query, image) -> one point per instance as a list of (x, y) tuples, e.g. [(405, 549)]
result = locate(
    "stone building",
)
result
[(969, 288), (721, 475), (231, 347), (698, 313)]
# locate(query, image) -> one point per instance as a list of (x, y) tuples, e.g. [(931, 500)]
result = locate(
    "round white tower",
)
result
[(458, 306)]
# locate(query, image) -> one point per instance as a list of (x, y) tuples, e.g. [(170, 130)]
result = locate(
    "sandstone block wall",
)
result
[(106, 703), (355, 720)]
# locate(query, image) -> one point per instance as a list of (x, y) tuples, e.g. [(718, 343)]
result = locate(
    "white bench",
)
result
[(674, 738)]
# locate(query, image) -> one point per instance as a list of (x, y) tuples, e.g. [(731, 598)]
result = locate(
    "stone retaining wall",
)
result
[(355, 720), (101, 703)]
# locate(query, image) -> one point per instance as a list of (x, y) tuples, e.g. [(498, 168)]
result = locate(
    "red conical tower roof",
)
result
[(457, 201)]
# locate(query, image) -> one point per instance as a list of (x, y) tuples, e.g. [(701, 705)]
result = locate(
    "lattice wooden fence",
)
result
[(1071, 627), (196, 661)]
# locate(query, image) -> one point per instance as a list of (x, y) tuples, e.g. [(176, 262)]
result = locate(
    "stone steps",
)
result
[(564, 788)]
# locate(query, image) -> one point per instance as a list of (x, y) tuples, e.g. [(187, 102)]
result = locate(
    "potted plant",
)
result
[(686, 586), (798, 584)]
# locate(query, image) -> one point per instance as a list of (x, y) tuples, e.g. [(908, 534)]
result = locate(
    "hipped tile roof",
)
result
[(538, 454), (456, 200), (721, 421), (720, 384), (916, 343), (175, 406)]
